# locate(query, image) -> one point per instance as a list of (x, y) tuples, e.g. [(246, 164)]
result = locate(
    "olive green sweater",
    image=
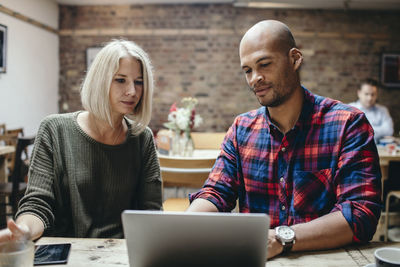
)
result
[(78, 187)]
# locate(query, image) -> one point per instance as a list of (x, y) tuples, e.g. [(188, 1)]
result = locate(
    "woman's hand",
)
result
[(15, 232)]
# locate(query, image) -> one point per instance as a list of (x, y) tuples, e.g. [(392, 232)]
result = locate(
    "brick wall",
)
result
[(194, 49)]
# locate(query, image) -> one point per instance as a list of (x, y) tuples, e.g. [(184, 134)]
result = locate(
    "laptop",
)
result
[(206, 239)]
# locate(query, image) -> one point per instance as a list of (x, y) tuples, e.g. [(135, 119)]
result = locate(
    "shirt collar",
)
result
[(306, 112)]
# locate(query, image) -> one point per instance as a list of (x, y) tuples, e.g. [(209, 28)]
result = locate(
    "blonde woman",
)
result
[(89, 166)]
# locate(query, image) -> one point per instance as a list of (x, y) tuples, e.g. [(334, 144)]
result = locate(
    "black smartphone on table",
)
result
[(51, 254)]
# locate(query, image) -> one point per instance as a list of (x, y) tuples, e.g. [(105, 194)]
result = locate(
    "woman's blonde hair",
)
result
[(95, 88)]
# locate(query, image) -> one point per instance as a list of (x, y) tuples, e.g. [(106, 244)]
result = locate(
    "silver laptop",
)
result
[(207, 239)]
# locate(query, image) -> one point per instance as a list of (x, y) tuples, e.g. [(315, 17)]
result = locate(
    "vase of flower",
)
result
[(182, 120)]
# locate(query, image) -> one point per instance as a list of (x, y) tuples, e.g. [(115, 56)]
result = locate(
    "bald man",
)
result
[(307, 161)]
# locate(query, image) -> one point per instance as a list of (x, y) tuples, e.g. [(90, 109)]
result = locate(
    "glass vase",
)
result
[(176, 144), (186, 145)]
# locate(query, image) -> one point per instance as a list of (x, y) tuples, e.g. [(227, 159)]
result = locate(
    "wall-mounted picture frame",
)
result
[(3, 48), (91, 53), (390, 70)]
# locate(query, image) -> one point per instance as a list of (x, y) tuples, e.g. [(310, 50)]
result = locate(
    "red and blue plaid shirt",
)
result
[(326, 163)]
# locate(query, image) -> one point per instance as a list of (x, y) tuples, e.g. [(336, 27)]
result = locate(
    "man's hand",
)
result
[(274, 247), (14, 232)]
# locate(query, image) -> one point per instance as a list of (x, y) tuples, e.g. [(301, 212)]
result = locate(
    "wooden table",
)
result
[(113, 253)]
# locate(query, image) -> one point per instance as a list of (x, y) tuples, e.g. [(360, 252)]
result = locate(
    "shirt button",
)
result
[(283, 149), (282, 180), (283, 207)]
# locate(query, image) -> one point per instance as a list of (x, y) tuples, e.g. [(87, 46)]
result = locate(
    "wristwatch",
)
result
[(286, 236)]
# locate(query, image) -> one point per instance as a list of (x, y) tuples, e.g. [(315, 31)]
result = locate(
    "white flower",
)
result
[(182, 118)]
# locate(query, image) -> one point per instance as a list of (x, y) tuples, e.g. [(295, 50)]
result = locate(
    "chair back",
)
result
[(17, 131), (9, 139), (185, 172), (208, 140)]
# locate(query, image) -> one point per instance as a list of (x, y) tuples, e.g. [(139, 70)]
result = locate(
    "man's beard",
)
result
[(277, 99)]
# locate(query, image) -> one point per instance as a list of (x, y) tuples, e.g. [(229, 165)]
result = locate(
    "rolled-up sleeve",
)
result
[(358, 179)]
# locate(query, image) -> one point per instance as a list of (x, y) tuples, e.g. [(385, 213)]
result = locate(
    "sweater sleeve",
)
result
[(150, 187), (39, 196)]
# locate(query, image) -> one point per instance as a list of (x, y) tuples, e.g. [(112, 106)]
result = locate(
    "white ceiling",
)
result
[(296, 4)]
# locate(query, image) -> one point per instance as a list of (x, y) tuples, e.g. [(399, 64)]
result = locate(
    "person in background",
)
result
[(89, 166), (377, 115), (307, 161)]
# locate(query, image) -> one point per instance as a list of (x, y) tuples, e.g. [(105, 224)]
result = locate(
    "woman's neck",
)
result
[(103, 132)]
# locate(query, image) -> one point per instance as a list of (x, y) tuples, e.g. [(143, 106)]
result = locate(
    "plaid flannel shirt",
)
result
[(327, 162)]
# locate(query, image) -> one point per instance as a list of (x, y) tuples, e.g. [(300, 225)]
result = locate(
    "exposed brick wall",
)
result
[(194, 49)]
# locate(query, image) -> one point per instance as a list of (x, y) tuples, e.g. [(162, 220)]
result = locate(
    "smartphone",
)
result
[(51, 254)]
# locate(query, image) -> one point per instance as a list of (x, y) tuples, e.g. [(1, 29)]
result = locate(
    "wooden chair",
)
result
[(207, 140), (14, 134), (15, 189), (9, 139), (17, 131), (391, 190), (183, 172)]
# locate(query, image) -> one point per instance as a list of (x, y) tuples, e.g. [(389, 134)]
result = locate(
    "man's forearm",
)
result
[(202, 205), (328, 231)]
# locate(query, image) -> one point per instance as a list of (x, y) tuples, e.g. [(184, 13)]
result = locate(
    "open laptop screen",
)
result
[(156, 238)]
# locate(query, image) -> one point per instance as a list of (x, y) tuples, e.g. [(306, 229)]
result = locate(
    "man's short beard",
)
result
[(273, 103)]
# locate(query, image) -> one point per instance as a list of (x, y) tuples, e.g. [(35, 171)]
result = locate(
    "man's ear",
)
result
[(296, 57)]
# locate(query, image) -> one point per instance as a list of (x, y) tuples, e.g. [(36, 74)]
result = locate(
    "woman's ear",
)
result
[(296, 57)]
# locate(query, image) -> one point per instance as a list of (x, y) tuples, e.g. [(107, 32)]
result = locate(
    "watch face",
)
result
[(286, 232)]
